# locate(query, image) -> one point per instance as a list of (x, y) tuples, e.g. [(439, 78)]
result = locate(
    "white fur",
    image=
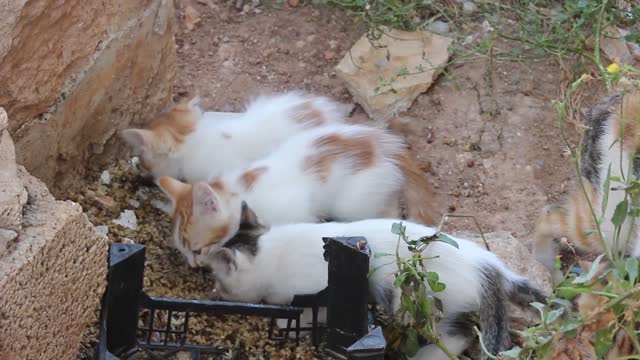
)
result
[(218, 145), (287, 193), (621, 164), (290, 261)]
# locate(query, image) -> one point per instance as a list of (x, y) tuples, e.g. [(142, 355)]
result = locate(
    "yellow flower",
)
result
[(613, 69)]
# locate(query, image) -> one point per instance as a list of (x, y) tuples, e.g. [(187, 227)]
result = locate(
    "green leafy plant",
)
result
[(419, 310)]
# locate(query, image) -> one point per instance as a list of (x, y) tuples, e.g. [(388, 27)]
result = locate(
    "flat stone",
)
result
[(364, 65), (127, 219), (615, 47)]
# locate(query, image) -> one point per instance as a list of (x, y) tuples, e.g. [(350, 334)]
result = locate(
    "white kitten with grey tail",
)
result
[(273, 265), (189, 144)]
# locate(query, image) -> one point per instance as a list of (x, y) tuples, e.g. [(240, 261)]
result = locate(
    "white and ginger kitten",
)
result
[(188, 144), (275, 264), (341, 172)]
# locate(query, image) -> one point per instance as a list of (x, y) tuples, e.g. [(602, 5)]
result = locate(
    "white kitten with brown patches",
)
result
[(188, 144), (342, 172)]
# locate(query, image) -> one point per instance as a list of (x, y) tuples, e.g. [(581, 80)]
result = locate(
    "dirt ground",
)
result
[(519, 165), (486, 135)]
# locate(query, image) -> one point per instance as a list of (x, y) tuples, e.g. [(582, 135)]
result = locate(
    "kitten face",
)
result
[(202, 217), (156, 145), (227, 267)]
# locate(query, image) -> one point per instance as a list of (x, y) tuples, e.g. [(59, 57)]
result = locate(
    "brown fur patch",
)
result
[(176, 124), (307, 114), (418, 194), (217, 185), (249, 177), (184, 213), (330, 148)]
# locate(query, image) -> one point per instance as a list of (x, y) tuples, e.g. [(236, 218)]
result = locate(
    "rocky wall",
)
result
[(74, 72)]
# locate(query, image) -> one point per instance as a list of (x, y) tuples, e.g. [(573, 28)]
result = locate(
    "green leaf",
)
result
[(570, 325), (631, 265), (604, 341), (411, 343), (537, 305), (380, 254), (446, 239), (513, 353), (620, 214), (605, 196), (563, 302), (584, 277), (397, 228), (553, 315)]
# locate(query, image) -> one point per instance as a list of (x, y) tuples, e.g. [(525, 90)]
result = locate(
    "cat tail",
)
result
[(494, 320), (417, 194), (550, 228)]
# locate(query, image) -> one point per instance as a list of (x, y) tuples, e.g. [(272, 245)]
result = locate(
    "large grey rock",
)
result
[(421, 53)]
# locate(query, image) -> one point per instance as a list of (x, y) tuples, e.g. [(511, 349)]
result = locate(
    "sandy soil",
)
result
[(517, 167)]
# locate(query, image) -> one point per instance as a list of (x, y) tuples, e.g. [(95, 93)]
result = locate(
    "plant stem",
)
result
[(484, 348)]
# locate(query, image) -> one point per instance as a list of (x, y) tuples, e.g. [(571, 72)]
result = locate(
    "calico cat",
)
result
[(275, 264), (188, 144), (342, 172), (611, 140)]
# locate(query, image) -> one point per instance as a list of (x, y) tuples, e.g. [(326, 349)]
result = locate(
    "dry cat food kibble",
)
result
[(166, 271)]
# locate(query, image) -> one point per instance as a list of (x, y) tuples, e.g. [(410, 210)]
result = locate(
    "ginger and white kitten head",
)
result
[(203, 218), (161, 140)]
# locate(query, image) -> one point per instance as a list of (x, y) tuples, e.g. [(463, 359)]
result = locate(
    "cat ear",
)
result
[(138, 139), (248, 218), (171, 187), (204, 200), (191, 104), (223, 261)]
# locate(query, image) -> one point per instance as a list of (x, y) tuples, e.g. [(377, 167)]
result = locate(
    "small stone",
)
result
[(299, 44), (127, 219), (471, 163), (127, 241), (438, 27), (294, 3), (134, 203), (452, 208), (102, 229), (333, 44), (191, 17), (225, 39), (329, 55), (106, 202), (469, 8), (105, 178)]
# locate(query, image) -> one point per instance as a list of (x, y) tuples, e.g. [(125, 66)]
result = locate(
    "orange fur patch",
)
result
[(217, 185), (249, 177), (583, 219), (307, 114), (184, 214), (177, 123), (330, 148), (418, 194)]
